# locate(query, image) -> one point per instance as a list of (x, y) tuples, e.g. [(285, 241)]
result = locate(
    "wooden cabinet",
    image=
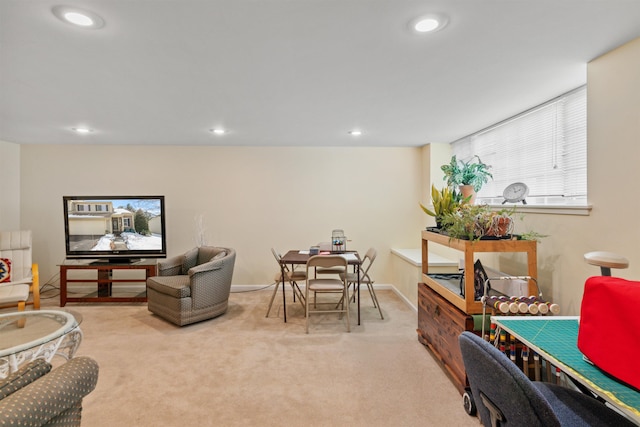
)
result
[(468, 304), (439, 325), (443, 313)]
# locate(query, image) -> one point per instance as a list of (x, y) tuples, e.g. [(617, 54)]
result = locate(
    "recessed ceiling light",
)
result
[(82, 130), (355, 132), (78, 17), (429, 23), (218, 131)]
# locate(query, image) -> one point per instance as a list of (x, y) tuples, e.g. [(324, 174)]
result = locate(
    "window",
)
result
[(545, 147)]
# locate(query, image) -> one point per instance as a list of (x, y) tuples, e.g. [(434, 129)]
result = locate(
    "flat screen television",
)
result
[(116, 229)]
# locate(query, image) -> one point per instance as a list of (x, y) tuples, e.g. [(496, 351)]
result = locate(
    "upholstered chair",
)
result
[(19, 277), (35, 395), (192, 287), (504, 396)]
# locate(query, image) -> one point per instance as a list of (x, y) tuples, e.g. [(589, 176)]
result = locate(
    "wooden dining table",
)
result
[(300, 257)]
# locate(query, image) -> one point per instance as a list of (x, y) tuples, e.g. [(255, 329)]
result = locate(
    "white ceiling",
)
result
[(292, 72)]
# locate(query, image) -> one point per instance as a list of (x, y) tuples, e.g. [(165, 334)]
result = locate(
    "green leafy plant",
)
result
[(444, 201), (532, 235), (472, 222), (468, 222), (474, 173)]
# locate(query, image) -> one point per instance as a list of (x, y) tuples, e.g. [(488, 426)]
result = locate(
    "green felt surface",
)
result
[(558, 338)]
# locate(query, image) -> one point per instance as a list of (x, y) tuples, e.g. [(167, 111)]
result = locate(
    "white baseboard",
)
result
[(249, 288)]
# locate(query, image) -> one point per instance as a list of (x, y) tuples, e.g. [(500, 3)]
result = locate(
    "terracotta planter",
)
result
[(468, 190), (500, 226)]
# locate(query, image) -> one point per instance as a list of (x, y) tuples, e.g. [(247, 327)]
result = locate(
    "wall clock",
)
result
[(516, 192)]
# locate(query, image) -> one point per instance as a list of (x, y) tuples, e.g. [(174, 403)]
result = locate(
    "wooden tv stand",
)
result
[(103, 279)]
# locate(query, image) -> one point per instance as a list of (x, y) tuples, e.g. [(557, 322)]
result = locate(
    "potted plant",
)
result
[(468, 222), (444, 201), (501, 223), (472, 222), (469, 176)]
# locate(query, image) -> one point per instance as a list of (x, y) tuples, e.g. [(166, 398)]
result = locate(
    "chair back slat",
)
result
[(327, 261), (16, 246), (369, 257)]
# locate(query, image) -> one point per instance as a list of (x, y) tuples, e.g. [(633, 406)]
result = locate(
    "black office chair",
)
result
[(504, 396)]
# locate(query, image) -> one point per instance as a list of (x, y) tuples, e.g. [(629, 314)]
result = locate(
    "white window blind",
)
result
[(544, 147)]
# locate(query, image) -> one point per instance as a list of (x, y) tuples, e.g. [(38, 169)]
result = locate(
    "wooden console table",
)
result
[(104, 280)]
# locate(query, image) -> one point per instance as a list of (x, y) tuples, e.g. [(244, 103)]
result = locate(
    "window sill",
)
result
[(548, 209)]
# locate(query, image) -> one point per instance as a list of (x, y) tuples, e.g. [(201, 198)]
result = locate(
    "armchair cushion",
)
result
[(190, 260), (206, 253), (174, 286), (5, 270), (11, 292)]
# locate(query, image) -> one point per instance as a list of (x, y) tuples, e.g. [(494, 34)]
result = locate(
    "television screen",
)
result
[(114, 228)]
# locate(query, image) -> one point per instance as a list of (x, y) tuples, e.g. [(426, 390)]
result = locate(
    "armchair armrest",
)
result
[(35, 286), (51, 395), (170, 266), (207, 266)]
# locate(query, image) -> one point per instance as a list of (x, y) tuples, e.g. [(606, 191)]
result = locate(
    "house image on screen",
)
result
[(90, 220), (155, 224)]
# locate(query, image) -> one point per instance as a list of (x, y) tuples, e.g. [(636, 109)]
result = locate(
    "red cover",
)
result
[(609, 333)]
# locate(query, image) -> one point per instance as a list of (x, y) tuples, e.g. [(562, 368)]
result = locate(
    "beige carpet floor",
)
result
[(242, 369)]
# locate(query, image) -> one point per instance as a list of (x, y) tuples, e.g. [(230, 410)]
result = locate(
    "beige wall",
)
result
[(248, 198), (10, 179), (613, 105)]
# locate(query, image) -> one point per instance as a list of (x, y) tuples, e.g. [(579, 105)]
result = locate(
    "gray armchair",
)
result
[(192, 287), (35, 395)]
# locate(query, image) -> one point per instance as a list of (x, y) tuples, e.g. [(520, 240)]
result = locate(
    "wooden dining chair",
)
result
[(325, 285)]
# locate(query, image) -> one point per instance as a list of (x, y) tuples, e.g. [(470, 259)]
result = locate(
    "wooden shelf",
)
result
[(469, 248), (104, 281)]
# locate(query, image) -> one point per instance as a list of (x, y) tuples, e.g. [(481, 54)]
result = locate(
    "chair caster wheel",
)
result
[(468, 403)]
